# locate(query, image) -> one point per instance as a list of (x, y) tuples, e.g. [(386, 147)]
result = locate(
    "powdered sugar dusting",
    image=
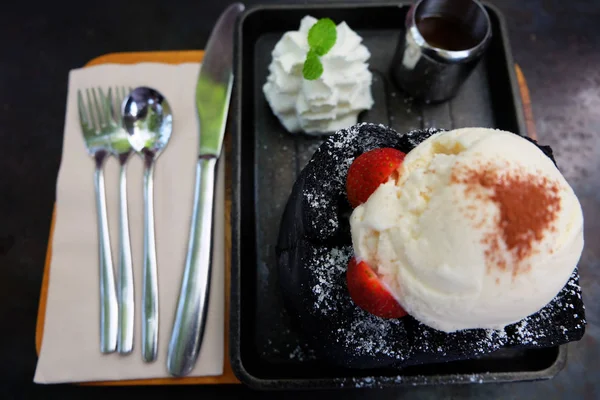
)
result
[(524, 334), (416, 380), (369, 336), (301, 354), (456, 345), (328, 268), (560, 321), (358, 332)]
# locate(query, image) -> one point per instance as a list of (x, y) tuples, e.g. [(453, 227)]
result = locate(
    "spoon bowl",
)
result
[(148, 120)]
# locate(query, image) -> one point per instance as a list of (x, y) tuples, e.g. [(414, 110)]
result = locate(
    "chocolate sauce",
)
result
[(446, 33)]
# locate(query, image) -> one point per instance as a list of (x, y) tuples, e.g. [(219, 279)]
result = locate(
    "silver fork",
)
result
[(94, 119), (125, 288)]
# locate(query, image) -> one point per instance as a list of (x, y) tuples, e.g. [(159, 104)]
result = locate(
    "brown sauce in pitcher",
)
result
[(446, 33)]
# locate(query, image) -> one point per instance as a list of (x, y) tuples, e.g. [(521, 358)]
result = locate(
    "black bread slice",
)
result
[(313, 251)]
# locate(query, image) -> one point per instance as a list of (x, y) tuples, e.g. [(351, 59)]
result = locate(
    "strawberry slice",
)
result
[(368, 171), (368, 292)]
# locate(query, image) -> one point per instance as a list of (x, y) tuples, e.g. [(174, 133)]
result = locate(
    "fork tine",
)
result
[(101, 122), (115, 106), (105, 106), (110, 102), (119, 101), (83, 119), (113, 97), (91, 113)]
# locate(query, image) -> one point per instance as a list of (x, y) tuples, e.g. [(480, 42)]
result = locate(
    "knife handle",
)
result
[(190, 318)]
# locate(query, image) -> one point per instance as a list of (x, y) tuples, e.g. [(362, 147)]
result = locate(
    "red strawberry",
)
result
[(370, 170), (368, 292)]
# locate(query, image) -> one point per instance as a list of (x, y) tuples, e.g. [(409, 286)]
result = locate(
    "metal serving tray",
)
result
[(267, 350)]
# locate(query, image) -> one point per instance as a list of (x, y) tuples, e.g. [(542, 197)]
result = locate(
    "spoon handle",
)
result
[(150, 279), (190, 319), (108, 297), (125, 283)]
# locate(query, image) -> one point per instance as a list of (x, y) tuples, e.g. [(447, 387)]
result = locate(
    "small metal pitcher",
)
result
[(434, 74)]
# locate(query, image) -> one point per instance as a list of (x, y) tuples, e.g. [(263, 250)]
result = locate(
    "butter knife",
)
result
[(213, 93)]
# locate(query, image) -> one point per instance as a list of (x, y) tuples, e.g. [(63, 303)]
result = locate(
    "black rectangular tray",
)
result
[(266, 349)]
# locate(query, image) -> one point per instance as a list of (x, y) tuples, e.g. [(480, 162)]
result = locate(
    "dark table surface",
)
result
[(556, 43)]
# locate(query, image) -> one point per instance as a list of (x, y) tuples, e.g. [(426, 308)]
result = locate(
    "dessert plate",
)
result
[(267, 350)]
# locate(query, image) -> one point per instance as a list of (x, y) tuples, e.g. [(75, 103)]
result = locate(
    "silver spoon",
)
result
[(148, 120)]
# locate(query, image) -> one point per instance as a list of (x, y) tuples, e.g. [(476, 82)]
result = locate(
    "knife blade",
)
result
[(213, 94)]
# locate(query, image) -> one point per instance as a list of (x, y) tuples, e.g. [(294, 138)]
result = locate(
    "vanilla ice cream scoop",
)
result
[(479, 230), (326, 104)]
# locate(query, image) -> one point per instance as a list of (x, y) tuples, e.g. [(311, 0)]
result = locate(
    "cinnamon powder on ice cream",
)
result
[(528, 205)]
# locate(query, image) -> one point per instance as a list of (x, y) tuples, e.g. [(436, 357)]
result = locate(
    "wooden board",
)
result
[(526, 99), (228, 377), (168, 57)]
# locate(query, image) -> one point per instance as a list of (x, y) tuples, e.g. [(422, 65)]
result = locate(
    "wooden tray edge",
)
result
[(228, 377), (526, 99)]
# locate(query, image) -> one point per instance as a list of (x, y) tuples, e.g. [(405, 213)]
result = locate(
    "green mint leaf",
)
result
[(312, 68), (322, 36)]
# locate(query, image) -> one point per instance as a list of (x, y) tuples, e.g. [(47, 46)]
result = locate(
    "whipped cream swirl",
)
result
[(329, 103)]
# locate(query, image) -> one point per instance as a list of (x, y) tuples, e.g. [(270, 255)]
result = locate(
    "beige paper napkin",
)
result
[(70, 348)]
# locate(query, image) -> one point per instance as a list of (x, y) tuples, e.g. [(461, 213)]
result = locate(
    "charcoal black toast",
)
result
[(313, 251)]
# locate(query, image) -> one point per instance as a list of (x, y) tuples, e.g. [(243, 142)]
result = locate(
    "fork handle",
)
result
[(150, 279), (125, 282), (108, 298)]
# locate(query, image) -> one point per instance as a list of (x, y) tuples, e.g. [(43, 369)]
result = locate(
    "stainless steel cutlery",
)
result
[(213, 92), (119, 124), (125, 290), (148, 120), (97, 127)]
